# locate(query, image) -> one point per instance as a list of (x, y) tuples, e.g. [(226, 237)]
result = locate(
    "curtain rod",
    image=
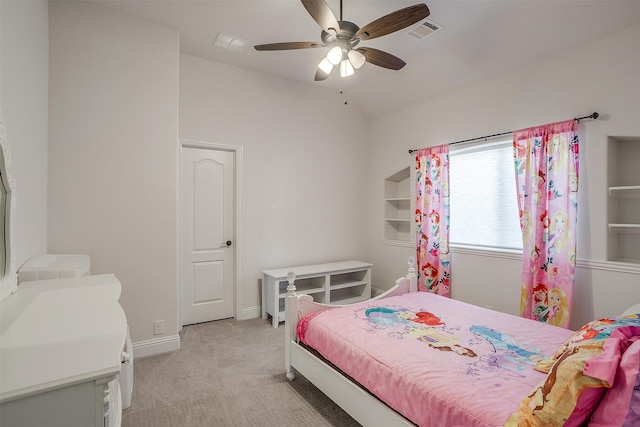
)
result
[(593, 115)]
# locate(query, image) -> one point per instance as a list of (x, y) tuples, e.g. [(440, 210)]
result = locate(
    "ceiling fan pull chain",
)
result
[(346, 101)]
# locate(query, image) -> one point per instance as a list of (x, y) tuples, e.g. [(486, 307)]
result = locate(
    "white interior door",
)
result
[(206, 235)]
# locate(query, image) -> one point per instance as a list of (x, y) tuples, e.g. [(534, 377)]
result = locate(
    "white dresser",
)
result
[(61, 348)]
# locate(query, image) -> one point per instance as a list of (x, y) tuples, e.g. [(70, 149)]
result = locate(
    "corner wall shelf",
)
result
[(625, 191), (623, 240), (397, 207)]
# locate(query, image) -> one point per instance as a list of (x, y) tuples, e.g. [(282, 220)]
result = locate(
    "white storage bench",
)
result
[(343, 282)]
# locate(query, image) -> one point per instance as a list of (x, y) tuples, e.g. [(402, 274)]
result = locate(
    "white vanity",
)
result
[(63, 341), (61, 351)]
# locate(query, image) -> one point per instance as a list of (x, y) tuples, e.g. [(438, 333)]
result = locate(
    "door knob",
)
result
[(226, 244)]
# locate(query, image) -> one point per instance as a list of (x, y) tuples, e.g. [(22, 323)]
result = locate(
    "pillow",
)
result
[(621, 403), (634, 309), (583, 367)]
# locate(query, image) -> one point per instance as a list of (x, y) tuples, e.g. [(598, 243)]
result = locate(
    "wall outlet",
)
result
[(158, 327)]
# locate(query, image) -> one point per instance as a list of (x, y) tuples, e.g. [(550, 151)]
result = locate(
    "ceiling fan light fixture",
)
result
[(342, 36), (356, 58), (334, 55), (325, 66), (346, 69)]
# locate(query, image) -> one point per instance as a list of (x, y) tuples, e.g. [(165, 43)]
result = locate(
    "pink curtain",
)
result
[(546, 161), (432, 219)]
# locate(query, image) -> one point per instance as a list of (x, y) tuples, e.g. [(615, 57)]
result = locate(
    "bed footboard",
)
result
[(298, 306), (357, 402)]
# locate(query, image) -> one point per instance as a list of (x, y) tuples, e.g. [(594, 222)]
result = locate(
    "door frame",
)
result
[(236, 247)]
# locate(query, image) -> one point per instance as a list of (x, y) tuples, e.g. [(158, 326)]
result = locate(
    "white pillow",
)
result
[(634, 309)]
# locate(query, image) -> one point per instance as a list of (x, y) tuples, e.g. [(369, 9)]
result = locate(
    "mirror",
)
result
[(8, 277), (3, 206)]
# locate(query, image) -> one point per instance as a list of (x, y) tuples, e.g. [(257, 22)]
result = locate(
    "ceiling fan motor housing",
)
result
[(345, 36)]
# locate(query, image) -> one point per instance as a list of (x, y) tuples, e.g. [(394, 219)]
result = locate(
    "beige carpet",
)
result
[(227, 373)]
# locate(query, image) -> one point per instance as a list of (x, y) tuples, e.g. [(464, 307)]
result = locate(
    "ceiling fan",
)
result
[(342, 37)]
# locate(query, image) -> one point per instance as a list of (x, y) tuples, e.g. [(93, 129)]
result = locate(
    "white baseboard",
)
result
[(156, 346), (249, 313), (172, 343)]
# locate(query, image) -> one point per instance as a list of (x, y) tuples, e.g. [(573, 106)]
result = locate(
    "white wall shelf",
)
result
[(623, 243), (397, 207), (624, 226), (625, 191), (343, 282)]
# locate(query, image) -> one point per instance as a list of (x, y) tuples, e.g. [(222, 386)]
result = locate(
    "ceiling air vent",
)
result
[(426, 28), (229, 42)]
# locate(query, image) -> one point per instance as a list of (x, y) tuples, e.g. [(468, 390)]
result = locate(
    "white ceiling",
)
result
[(480, 39)]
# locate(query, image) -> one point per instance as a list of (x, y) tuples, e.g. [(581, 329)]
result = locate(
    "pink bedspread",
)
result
[(437, 361)]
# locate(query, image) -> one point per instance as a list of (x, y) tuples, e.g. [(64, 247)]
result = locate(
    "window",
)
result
[(484, 207)]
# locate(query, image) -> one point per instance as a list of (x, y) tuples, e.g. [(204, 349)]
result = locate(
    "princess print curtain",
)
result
[(546, 163), (432, 219)]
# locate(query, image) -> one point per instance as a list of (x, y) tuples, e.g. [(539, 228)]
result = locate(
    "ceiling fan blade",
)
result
[(393, 22), (381, 59), (322, 14), (287, 46)]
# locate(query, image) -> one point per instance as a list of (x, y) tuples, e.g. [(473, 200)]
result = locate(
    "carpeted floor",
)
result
[(227, 373)]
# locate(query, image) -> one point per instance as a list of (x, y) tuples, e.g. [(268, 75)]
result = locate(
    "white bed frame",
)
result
[(351, 397)]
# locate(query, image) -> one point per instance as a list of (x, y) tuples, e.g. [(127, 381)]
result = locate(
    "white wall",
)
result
[(113, 158), (603, 76), (312, 183), (305, 165), (112, 154), (24, 75)]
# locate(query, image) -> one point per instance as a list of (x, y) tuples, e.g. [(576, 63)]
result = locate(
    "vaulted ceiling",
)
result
[(478, 39)]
